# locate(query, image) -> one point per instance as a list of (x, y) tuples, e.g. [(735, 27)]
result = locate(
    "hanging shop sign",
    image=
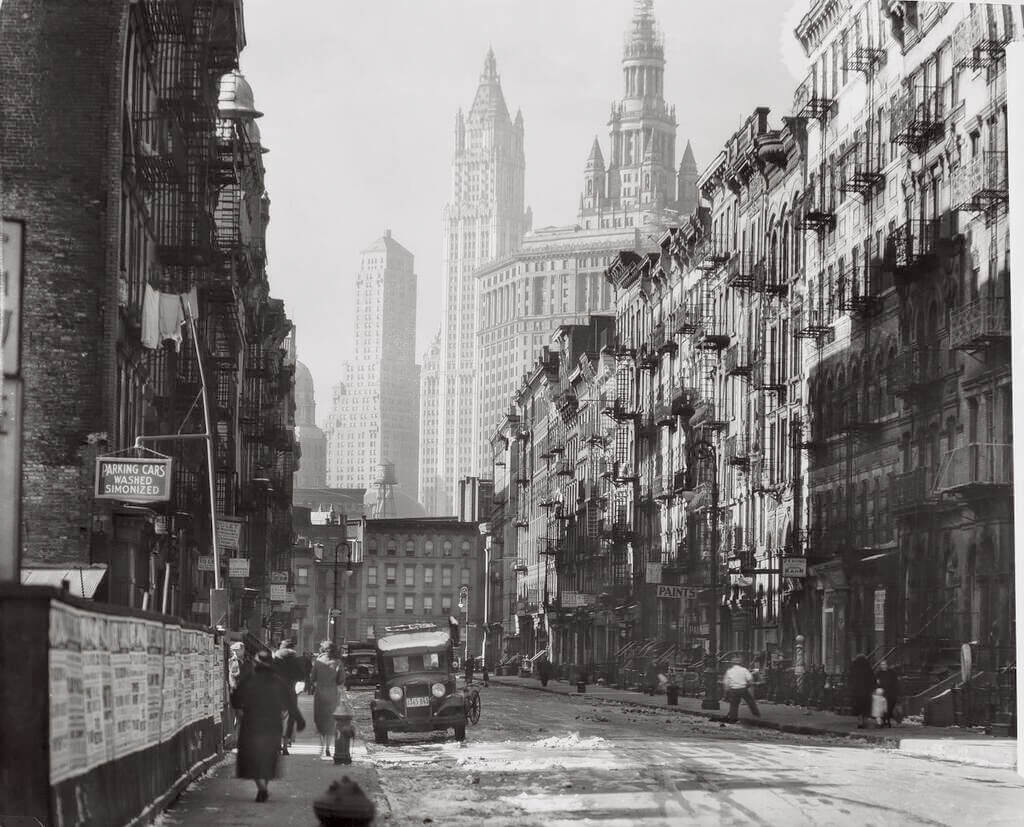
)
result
[(575, 600), (278, 592), (238, 567), (145, 480), (879, 610), (677, 592), (654, 572), (206, 562), (229, 532), (14, 244), (794, 567)]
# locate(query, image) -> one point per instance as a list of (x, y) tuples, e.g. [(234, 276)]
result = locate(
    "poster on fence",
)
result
[(93, 674), (67, 718), (218, 682), (154, 681), (139, 640), (172, 669), (120, 666)]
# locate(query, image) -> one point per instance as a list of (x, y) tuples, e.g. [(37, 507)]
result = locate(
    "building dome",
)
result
[(236, 100), (252, 132)]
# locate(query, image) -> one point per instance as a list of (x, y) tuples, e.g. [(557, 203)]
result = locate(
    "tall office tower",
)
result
[(375, 412), (312, 471), (557, 276), (483, 220), (429, 411)]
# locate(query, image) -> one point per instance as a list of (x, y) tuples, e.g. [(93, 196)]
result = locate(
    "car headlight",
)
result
[(437, 690), (395, 693)]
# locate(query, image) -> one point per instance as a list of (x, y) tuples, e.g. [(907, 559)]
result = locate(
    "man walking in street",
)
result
[(288, 664), (737, 682)]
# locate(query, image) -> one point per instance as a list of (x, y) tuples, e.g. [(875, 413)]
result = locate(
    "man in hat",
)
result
[(288, 664)]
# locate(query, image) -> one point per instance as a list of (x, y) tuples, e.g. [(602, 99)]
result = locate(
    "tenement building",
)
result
[(793, 439), (483, 220), (374, 417), (144, 213), (556, 277)]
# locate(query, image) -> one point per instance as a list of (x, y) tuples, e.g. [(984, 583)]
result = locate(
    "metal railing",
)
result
[(977, 464)]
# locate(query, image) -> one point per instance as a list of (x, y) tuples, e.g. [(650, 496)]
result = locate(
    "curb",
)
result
[(165, 800), (891, 742)]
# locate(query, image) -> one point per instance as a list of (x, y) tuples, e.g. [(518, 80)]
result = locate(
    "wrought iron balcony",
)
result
[(862, 173), (661, 490), (917, 117), (743, 270), (621, 411), (737, 360), (918, 373), (866, 59), (819, 212), (685, 320), (977, 44), (981, 324), (858, 291), (812, 324), (977, 469), (564, 469), (914, 490), (738, 451), (713, 334), (713, 252), (981, 183), (915, 245), (764, 377), (853, 418), (810, 102)]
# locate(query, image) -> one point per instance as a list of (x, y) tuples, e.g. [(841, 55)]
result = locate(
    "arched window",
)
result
[(785, 251), (446, 548), (410, 548), (428, 548), (466, 548)]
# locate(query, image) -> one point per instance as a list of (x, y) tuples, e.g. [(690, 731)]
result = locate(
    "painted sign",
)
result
[(879, 610), (279, 577), (238, 567), (278, 592), (678, 592), (133, 480), (14, 245), (206, 562), (574, 600), (794, 566), (229, 532)]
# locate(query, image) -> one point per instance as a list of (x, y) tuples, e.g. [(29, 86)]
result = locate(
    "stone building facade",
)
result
[(150, 183), (804, 401), (312, 471)]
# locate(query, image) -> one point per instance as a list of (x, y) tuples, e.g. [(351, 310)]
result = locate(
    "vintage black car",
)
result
[(361, 664), (416, 690)]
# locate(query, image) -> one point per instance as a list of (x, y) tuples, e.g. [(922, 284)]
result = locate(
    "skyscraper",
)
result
[(375, 412), (483, 220), (312, 471), (557, 276)]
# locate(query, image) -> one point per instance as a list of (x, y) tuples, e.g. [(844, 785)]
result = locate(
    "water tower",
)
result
[(385, 488)]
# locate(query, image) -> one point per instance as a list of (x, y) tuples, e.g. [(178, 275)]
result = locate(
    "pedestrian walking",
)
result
[(239, 668), (307, 670), (288, 664), (485, 673), (263, 698), (861, 686), (737, 682), (327, 679), (469, 670), (889, 683), (544, 670)]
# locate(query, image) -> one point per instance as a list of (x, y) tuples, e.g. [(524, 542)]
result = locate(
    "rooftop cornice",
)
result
[(819, 20)]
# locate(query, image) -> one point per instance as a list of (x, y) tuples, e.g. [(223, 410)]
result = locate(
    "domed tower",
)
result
[(312, 471)]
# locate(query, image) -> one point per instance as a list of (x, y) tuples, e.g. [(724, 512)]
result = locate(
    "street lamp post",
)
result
[(703, 450)]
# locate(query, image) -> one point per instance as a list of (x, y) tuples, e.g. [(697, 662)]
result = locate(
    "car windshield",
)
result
[(401, 664)]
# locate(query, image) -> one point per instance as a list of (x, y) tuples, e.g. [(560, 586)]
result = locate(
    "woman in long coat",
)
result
[(327, 675), (262, 698), (861, 687)]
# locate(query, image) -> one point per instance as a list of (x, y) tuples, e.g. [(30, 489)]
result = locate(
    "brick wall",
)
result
[(61, 63)]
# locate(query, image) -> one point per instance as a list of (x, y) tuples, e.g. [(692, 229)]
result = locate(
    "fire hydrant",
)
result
[(344, 732)]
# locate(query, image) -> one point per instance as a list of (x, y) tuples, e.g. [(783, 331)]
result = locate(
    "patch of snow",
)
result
[(572, 741)]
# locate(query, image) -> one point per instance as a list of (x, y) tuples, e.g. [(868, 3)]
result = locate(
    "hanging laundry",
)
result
[(171, 319), (151, 318)]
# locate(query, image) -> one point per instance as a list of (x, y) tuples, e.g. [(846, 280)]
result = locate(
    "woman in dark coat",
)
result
[(861, 686), (262, 698)]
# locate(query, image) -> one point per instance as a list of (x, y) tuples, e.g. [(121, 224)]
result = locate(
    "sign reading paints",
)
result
[(133, 480), (680, 592)]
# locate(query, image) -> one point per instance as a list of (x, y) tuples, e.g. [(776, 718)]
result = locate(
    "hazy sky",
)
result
[(360, 101)]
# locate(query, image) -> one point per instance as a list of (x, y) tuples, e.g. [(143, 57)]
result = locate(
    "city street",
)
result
[(539, 758)]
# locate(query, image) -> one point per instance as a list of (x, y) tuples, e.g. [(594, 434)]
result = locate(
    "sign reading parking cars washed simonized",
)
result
[(133, 480)]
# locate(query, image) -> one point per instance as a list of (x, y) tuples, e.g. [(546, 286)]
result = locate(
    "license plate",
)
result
[(417, 701)]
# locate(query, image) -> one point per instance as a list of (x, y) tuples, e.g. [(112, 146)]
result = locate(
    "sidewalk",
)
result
[(221, 800), (947, 743)]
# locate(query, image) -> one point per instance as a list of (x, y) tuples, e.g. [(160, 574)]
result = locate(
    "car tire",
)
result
[(380, 736), (460, 732)]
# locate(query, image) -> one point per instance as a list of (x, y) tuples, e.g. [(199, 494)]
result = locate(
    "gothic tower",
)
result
[(483, 220)]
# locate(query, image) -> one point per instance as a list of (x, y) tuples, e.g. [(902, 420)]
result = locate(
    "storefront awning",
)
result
[(83, 581)]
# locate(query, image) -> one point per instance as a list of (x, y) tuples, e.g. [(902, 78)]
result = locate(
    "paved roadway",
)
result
[(541, 759)]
